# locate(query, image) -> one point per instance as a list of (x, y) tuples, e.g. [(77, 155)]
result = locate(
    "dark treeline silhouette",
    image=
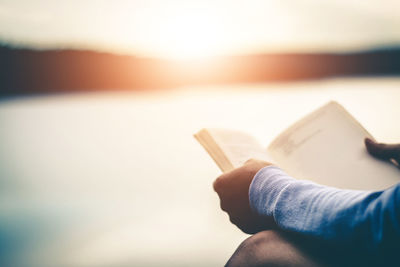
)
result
[(24, 71)]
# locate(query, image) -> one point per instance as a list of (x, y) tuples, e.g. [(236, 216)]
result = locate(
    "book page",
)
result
[(237, 147), (327, 147)]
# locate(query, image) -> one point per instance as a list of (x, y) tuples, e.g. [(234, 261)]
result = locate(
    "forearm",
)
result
[(369, 221)]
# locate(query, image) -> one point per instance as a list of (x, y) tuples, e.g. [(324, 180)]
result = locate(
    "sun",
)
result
[(191, 35)]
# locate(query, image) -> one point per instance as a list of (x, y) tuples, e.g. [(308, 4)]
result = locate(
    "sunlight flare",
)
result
[(191, 36)]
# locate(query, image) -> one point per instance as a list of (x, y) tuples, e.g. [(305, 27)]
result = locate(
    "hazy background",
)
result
[(177, 28), (99, 101)]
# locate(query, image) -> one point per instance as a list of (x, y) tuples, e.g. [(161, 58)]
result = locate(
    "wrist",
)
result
[(265, 188)]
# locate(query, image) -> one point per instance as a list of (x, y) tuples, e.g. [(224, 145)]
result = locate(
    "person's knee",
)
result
[(257, 250), (272, 248)]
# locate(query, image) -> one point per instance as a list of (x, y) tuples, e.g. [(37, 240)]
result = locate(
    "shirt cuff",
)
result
[(264, 191)]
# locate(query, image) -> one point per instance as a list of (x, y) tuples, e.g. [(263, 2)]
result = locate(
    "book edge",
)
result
[(224, 167)]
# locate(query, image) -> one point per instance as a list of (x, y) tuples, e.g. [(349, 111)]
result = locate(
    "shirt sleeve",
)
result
[(362, 220)]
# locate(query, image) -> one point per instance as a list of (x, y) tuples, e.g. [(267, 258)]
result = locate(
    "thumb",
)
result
[(383, 151)]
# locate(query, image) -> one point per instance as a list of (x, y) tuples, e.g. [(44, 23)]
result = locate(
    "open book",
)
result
[(326, 146)]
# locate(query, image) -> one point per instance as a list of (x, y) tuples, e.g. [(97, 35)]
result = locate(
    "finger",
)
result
[(233, 219), (382, 151), (222, 206), (219, 183), (224, 179), (216, 185)]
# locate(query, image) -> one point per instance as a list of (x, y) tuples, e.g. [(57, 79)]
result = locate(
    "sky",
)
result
[(187, 28)]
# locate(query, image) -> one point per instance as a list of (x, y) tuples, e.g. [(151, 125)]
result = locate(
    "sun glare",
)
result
[(197, 30), (190, 36)]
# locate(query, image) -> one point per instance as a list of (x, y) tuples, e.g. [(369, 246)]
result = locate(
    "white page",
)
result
[(238, 147), (328, 147)]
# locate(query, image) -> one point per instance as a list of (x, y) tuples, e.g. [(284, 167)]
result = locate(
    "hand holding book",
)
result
[(233, 190), (327, 148)]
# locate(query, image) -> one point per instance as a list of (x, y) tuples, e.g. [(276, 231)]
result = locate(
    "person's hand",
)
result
[(233, 190), (388, 152)]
